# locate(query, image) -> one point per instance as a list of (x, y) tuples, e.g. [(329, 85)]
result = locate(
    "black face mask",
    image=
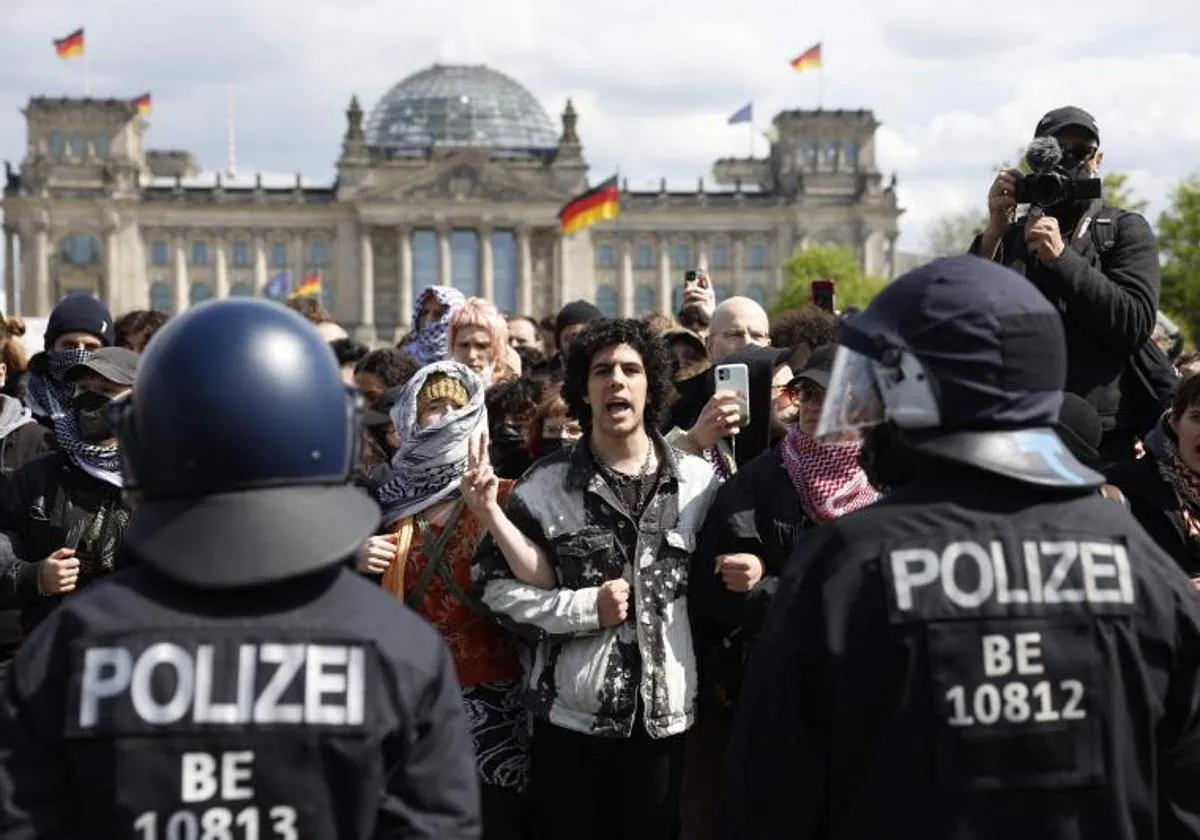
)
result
[(91, 417), (508, 435), (550, 446)]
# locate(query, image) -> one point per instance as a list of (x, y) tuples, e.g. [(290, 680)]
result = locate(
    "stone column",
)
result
[(891, 256), (366, 293), (525, 271), (43, 294), (559, 291), (221, 266), (298, 275), (625, 286), (739, 264), (405, 278), (181, 289), (260, 263), (444, 267), (110, 282), (664, 276), (10, 270), (702, 246), (487, 269)]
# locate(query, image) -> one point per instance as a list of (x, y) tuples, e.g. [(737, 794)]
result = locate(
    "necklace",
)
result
[(633, 489)]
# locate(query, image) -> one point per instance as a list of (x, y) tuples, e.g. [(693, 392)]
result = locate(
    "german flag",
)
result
[(142, 103), (810, 59), (70, 46), (599, 204), (311, 287)]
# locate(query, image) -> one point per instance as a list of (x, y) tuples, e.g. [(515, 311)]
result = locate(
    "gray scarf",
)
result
[(13, 415), (430, 462)]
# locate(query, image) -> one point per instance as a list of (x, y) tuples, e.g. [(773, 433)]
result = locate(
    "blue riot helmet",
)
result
[(969, 360), (238, 442)]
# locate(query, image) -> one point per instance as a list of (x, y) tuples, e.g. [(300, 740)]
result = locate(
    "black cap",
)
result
[(818, 368), (1080, 428), (116, 364), (380, 412), (1060, 118), (80, 313), (575, 312)]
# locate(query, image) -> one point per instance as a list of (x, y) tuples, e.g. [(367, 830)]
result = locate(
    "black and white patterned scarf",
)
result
[(53, 397), (427, 467)]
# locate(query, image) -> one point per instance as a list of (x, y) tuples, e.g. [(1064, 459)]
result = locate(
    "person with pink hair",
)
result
[(479, 338)]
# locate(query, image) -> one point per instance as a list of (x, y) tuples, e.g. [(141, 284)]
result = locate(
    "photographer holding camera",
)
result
[(1098, 264)]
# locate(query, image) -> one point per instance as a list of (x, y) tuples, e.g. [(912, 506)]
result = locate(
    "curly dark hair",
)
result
[(135, 329), (349, 351), (311, 308), (510, 397), (605, 333), (394, 367), (809, 325)]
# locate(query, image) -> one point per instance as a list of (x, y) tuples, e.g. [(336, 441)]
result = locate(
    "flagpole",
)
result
[(751, 138), (87, 82), (821, 76)]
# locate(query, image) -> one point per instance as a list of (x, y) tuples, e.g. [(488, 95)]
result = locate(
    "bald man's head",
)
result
[(736, 323)]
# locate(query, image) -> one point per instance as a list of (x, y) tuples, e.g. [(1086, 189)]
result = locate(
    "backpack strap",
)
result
[(1104, 229)]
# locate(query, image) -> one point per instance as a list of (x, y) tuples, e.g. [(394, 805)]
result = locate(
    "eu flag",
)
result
[(744, 115), (277, 287)]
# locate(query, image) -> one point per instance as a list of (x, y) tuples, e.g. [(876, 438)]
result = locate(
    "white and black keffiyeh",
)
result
[(427, 467), (52, 396)]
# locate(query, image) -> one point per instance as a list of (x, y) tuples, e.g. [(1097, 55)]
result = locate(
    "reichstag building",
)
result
[(456, 176)]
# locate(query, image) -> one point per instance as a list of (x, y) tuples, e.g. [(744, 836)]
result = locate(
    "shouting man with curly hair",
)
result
[(589, 559)]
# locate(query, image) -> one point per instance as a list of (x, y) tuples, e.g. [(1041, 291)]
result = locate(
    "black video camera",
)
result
[(1054, 187)]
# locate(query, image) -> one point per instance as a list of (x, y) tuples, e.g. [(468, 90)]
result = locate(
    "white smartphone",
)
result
[(736, 378)]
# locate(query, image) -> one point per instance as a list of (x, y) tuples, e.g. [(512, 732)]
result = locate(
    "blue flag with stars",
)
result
[(277, 287), (744, 115)]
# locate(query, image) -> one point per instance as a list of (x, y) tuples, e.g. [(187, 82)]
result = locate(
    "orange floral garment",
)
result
[(483, 653)]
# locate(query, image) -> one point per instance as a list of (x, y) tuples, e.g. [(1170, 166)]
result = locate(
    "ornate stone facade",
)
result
[(91, 209)]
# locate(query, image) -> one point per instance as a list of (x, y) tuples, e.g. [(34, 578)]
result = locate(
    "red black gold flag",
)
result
[(599, 204), (71, 46), (142, 103)]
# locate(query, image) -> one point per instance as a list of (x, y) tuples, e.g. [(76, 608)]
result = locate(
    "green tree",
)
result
[(1179, 244), (825, 262), (952, 234)]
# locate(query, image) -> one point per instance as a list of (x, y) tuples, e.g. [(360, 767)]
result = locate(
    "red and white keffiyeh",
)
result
[(828, 480)]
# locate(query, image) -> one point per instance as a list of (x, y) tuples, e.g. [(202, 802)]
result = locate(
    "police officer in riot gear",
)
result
[(994, 650), (239, 680)]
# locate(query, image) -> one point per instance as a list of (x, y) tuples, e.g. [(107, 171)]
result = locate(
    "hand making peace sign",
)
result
[(479, 485)]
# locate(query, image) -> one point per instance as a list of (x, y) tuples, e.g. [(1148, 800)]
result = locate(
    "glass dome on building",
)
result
[(460, 105)]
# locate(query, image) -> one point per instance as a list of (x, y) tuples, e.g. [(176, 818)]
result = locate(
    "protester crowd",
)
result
[(593, 525)]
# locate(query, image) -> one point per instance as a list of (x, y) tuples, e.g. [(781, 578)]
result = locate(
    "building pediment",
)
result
[(460, 182)]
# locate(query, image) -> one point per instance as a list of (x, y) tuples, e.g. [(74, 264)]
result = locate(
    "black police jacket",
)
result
[(1108, 302), (316, 708), (1013, 663)]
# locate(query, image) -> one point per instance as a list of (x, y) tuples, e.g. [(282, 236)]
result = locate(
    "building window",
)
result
[(159, 255), (606, 255), (161, 297), (78, 145), (721, 291), (756, 256), (720, 256), (80, 249), (426, 262), (318, 254), (100, 144), (831, 155), (676, 299), (199, 253), (643, 299), (199, 293), (850, 155), (757, 294), (241, 255), (606, 301), (58, 144), (643, 256), (504, 270), (279, 254), (241, 290), (464, 262), (681, 256)]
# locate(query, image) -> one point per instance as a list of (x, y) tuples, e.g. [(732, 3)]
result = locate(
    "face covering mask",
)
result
[(551, 445), (91, 417)]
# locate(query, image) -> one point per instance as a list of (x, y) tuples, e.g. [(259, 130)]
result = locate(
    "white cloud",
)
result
[(958, 86)]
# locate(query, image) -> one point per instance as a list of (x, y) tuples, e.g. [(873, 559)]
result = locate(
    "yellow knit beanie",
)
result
[(441, 386)]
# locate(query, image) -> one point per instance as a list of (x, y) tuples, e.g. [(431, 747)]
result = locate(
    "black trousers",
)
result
[(586, 787)]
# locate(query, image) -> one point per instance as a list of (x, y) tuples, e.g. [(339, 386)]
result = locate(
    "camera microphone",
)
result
[(1043, 154)]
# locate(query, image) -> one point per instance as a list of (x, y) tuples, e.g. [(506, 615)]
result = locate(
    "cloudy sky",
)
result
[(957, 84)]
